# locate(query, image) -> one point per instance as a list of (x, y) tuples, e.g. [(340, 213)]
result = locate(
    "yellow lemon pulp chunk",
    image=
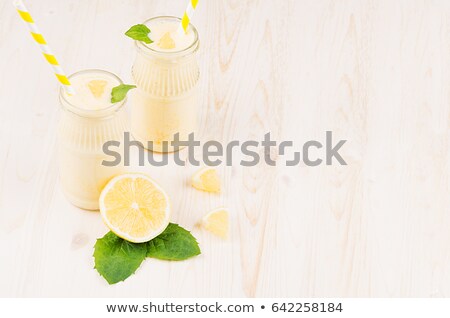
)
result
[(206, 179), (135, 207), (166, 42), (97, 87), (216, 222)]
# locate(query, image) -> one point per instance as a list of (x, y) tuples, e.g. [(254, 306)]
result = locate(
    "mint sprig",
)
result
[(116, 259), (139, 32), (119, 92)]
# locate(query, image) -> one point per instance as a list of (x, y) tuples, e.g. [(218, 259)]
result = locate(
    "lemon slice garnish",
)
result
[(166, 42), (97, 87)]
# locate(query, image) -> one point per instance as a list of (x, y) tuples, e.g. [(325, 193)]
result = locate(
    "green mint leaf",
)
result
[(174, 244), (139, 32), (119, 93), (117, 259)]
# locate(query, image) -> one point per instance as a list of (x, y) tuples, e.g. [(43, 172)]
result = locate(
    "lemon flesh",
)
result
[(216, 222), (206, 179), (134, 207), (166, 42), (97, 87)]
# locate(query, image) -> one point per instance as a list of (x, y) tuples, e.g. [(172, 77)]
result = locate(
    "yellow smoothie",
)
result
[(87, 121), (166, 74)]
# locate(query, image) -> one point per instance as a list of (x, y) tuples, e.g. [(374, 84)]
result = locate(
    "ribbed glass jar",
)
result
[(81, 135), (166, 99)]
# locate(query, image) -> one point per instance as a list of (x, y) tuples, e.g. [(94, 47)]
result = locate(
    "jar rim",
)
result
[(90, 113), (177, 53)]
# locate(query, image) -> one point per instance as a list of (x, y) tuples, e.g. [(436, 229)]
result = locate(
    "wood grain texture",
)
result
[(376, 73)]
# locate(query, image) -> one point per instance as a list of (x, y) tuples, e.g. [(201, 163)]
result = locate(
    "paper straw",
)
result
[(46, 51), (188, 14)]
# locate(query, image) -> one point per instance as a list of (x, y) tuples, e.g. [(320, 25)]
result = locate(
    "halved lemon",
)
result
[(216, 222), (206, 179), (135, 207)]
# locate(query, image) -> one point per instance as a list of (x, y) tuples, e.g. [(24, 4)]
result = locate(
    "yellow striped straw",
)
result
[(188, 14), (45, 49)]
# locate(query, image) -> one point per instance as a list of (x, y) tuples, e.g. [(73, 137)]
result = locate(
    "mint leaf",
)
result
[(139, 32), (117, 259), (119, 93), (174, 244)]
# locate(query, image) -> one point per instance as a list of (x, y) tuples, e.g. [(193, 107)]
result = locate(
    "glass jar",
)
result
[(81, 134), (166, 99)]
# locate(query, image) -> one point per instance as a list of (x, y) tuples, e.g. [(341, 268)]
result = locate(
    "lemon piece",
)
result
[(166, 42), (216, 222), (206, 179), (97, 87), (135, 207)]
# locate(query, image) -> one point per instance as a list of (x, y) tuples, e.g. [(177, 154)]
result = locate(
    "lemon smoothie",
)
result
[(88, 120), (166, 74)]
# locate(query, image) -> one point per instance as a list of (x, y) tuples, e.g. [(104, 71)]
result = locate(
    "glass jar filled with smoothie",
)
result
[(88, 120), (166, 74)]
